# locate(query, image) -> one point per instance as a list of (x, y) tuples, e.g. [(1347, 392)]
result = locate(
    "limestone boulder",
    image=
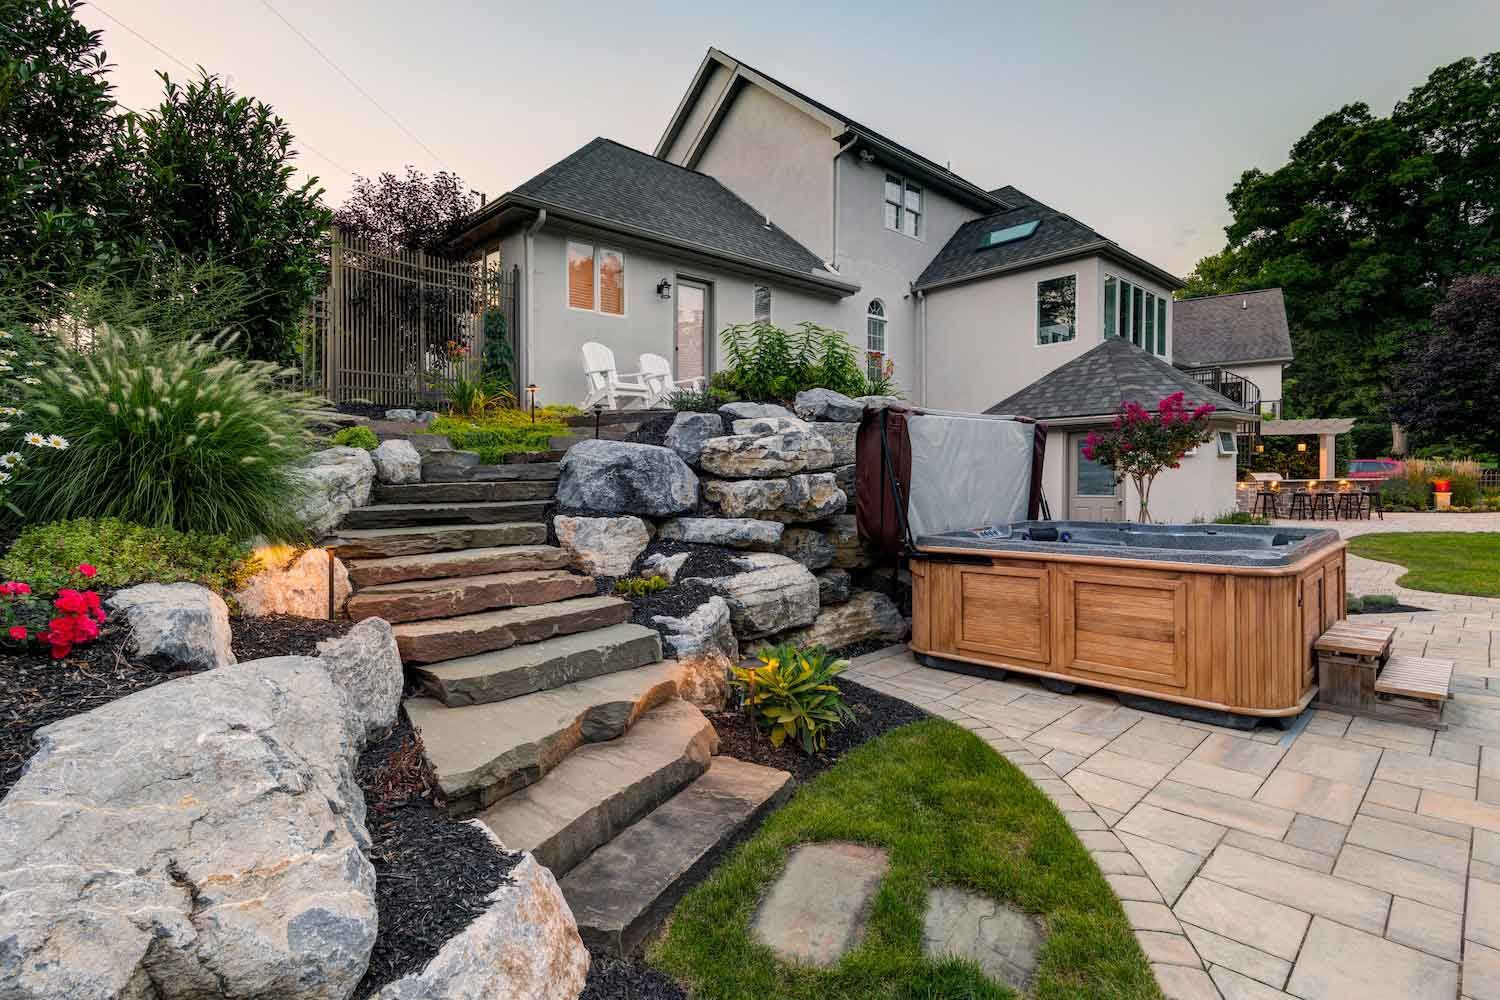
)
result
[(365, 666), (201, 838), (708, 629), (768, 425), (825, 404), (294, 582), (840, 437), (848, 551), (690, 430), (866, 615), (771, 594), (878, 403), (602, 546), (524, 946), (739, 411), (662, 565), (175, 626), (729, 532), (794, 499), (620, 477), (748, 456), (397, 461), (834, 587), (808, 546), (331, 483), (411, 416)]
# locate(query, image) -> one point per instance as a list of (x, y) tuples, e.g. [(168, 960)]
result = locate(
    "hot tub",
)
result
[(1214, 618)]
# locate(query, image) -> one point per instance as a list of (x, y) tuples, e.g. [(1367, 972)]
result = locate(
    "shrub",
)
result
[(793, 693), (1418, 475), (1395, 492), (357, 437), (640, 586), (1464, 478), (1380, 602), (883, 383), (1241, 517), (686, 401), (72, 620), (503, 432), (1354, 604), (169, 432), (766, 363), (124, 554)]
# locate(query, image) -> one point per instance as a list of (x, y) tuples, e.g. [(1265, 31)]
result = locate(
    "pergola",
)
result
[(1326, 430)]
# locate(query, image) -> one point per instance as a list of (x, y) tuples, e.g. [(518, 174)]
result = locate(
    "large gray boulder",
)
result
[(620, 477), (878, 403), (751, 456), (729, 532), (690, 430), (397, 462), (201, 838), (739, 411), (365, 666), (834, 587), (848, 551), (524, 946), (808, 546), (866, 615), (841, 438), (332, 483), (175, 626), (707, 630), (602, 546), (803, 497), (768, 425), (825, 404), (771, 594), (411, 416)]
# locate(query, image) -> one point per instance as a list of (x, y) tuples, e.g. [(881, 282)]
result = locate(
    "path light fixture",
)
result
[(531, 400)]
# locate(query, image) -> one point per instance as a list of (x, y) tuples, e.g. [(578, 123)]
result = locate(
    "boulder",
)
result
[(411, 416), (602, 546), (660, 564), (705, 646), (807, 546), (772, 594), (804, 497), (729, 532), (834, 587), (200, 838), (840, 437), (739, 411), (768, 425), (397, 461), (524, 946), (866, 615), (690, 430), (176, 626), (620, 477), (334, 481), (366, 668), (748, 456), (848, 551), (825, 404), (294, 582), (448, 465), (878, 403)]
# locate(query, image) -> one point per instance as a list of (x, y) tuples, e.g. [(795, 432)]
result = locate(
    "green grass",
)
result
[(1445, 562), (949, 810)]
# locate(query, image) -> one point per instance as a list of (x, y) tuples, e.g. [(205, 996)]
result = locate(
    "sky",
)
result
[(1135, 121)]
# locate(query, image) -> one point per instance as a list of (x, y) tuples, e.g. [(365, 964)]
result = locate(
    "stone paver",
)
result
[(1005, 943), (816, 911), (1340, 963)]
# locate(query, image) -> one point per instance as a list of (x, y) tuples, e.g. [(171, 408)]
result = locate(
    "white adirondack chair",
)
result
[(608, 386), (657, 371)]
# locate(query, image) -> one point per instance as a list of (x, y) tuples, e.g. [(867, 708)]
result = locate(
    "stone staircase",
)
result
[(545, 711)]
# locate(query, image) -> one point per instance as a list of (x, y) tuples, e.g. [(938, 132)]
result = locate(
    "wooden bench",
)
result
[(1358, 674)]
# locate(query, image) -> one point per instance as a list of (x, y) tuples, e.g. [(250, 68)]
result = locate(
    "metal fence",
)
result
[(397, 327)]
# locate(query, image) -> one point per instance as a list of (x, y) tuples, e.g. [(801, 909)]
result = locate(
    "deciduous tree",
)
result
[(416, 212), (1448, 388)]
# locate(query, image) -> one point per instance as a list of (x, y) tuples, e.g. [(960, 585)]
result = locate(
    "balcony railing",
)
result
[(1236, 388)]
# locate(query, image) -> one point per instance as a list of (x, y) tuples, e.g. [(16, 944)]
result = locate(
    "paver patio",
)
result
[(1342, 859)]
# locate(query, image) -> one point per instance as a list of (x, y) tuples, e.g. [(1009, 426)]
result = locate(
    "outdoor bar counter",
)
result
[(1219, 618)]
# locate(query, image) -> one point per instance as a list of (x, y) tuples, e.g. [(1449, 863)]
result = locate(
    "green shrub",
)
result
[(1380, 602), (503, 432), (168, 432), (640, 586), (44, 555), (357, 437), (792, 692), (1465, 482), (764, 362), (686, 401), (1353, 604), (1241, 517), (1395, 492)]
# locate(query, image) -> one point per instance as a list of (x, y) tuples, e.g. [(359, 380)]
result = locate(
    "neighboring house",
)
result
[(1244, 334)]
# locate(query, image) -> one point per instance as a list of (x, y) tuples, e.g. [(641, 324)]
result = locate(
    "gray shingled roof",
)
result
[(1097, 382), (1224, 329), (615, 183), (961, 256)]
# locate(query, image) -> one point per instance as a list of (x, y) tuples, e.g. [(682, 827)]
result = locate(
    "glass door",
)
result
[(693, 318)]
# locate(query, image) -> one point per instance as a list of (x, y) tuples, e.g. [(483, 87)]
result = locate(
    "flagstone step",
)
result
[(539, 666), (625, 889), (405, 515), (479, 754), (453, 465), (464, 562), (417, 600), (602, 788), (465, 635), (537, 489), (386, 543)]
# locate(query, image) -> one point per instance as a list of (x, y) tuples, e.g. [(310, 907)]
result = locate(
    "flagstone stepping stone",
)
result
[(817, 910), (1005, 943)]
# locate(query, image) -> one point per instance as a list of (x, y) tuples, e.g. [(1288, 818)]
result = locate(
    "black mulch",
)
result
[(676, 601), (629, 979), (703, 560), (432, 874), (281, 635), (374, 411)]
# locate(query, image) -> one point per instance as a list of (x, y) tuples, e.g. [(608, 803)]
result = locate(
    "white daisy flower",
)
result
[(28, 380), (57, 441), (4, 478), (10, 459), (36, 439), (4, 425), (9, 411)]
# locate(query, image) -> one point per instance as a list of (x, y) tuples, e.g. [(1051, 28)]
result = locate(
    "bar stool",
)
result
[(1323, 506), (1301, 505), (1265, 504), (1348, 504)]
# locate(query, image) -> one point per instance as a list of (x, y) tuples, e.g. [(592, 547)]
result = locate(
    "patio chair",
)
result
[(606, 385), (657, 372)]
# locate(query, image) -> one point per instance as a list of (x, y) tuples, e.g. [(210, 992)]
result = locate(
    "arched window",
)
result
[(875, 353)]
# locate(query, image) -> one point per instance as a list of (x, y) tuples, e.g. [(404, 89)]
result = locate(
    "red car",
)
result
[(1375, 468)]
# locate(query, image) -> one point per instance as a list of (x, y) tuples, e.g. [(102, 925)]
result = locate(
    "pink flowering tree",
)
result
[(1142, 443)]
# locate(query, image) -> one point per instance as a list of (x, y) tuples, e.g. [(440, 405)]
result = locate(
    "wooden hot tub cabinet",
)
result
[(1232, 639)]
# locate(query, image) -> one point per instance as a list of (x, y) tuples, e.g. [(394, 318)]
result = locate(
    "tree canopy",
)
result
[(1448, 390), (1364, 227), (415, 212)]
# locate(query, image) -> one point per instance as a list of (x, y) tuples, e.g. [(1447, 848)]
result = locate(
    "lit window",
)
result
[(612, 282), (903, 206), (762, 304), (580, 275), (1056, 309), (875, 338), (596, 277)]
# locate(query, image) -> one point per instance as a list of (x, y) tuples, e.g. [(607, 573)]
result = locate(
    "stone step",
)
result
[(602, 788), (417, 600), (539, 489), (479, 754), (385, 543), (624, 890), (406, 515), (450, 638), (539, 666), (464, 562), (451, 465)]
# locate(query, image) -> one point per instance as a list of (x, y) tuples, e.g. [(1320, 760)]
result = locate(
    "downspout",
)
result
[(922, 347), (833, 255), (531, 231)]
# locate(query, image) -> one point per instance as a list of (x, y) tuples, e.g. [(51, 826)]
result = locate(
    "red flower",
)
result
[(15, 588), (87, 570), (92, 600), (71, 601), (18, 633)]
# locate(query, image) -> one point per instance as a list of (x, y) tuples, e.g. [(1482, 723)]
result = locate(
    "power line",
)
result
[(362, 91)]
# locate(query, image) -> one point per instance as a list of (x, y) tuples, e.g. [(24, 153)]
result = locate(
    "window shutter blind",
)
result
[(611, 283), (580, 276)]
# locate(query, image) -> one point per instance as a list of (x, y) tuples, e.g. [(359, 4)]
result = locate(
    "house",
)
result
[(1242, 334)]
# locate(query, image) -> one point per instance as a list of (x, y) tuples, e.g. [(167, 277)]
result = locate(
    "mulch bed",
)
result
[(653, 431), (676, 601), (629, 979), (433, 874), (374, 411), (281, 635)]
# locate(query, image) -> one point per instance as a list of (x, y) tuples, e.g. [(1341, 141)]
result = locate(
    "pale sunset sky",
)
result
[(1136, 119)]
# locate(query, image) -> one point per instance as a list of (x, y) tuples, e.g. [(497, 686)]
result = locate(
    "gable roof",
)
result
[(1095, 383), (612, 186), (1230, 329)]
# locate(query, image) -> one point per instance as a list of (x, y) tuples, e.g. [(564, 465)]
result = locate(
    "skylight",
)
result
[(1009, 234)]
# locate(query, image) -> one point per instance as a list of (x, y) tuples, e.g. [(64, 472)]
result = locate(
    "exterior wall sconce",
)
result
[(1260, 449), (531, 400), (1301, 445), (664, 289)]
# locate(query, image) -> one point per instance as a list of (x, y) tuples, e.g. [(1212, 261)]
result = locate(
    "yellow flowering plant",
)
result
[(792, 692)]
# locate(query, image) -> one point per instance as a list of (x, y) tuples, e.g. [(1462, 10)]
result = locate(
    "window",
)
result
[(1161, 327), (1111, 309), (875, 338), (596, 276), (1136, 315), (1056, 309), (1227, 443), (903, 206), (1009, 234), (1095, 479), (762, 304)]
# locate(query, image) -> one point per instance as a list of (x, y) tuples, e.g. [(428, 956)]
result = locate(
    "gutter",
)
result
[(1104, 248), (529, 241)]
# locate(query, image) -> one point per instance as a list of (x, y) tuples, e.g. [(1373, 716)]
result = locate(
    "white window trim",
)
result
[(901, 209), (599, 250), (1120, 282), (885, 332), (1036, 319)]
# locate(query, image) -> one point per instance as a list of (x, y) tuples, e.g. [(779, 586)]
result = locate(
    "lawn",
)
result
[(949, 810), (1446, 562)]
